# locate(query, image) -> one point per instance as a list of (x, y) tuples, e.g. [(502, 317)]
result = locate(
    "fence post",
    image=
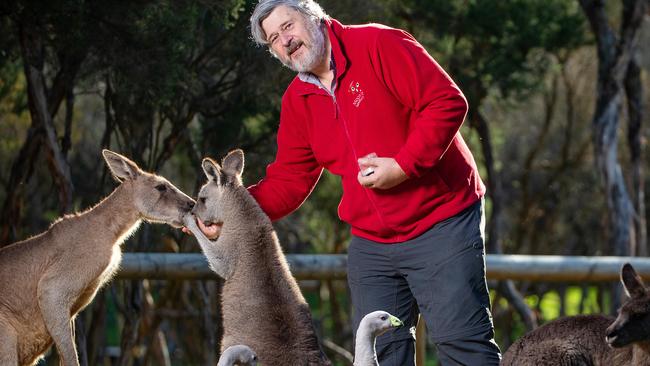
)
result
[(420, 342)]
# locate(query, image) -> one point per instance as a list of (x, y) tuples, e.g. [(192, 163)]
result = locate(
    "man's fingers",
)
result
[(364, 162), (386, 173), (367, 172), (207, 230), (367, 182), (212, 231)]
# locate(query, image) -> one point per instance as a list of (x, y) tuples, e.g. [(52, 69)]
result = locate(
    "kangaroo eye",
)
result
[(161, 188), (202, 200)]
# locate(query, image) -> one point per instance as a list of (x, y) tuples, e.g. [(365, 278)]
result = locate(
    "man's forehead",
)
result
[(277, 17)]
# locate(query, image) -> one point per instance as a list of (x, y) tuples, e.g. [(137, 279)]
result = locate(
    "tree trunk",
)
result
[(530, 200), (80, 340), (634, 93), (33, 53), (493, 233), (209, 338), (614, 56), (130, 310), (43, 106), (97, 328), (20, 172)]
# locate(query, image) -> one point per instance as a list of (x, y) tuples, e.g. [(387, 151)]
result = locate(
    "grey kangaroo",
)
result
[(47, 279), (588, 340), (262, 304)]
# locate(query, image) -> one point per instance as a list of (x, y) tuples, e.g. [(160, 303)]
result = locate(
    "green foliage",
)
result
[(14, 117), (232, 11), (577, 300), (320, 225), (492, 43), (148, 48), (550, 305)]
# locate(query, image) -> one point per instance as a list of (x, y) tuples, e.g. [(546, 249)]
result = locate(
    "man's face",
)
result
[(297, 42)]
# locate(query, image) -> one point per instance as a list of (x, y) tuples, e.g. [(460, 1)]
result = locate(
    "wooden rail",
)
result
[(542, 268), (194, 266)]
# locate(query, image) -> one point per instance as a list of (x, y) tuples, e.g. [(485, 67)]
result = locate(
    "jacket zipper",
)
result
[(356, 156)]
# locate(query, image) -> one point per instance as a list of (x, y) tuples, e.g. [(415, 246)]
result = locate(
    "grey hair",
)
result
[(308, 8)]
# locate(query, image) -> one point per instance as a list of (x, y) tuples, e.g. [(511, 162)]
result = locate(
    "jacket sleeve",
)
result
[(292, 176), (419, 83)]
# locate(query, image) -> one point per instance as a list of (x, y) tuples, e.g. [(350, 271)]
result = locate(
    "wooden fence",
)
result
[(542, 268)]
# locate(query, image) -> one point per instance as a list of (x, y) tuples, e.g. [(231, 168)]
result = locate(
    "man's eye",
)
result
[(288, 26)]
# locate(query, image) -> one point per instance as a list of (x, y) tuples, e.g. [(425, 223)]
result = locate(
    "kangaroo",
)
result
[(592, 339), (261, 303), (46, 280)]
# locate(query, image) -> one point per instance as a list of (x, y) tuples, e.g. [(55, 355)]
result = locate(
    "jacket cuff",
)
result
[(407, 163)]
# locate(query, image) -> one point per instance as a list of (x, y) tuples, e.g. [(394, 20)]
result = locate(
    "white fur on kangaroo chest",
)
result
[(116, 255), (113, 264), (88, 293)]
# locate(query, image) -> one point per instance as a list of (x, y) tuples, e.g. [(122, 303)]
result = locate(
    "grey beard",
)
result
[(316, 51)]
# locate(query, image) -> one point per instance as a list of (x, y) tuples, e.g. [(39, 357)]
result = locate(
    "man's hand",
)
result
[(212, 231), (386, 172)]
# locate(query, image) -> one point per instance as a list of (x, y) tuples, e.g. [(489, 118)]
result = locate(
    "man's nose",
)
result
[(286, 39)]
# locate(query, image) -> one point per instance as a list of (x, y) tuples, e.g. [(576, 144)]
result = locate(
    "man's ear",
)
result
[(121, 168), (212, 170), (233, 163)]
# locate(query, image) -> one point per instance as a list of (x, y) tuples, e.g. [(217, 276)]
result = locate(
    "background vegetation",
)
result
[(168, 82)]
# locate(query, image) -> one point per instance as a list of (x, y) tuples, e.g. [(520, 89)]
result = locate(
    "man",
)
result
[(370, 105)]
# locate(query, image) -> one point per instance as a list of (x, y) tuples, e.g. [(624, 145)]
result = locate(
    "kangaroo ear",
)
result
[(121, 167), (632, 281), (233, 163), (212, 170)]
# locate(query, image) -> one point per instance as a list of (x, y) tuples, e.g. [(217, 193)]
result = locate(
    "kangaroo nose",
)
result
[(611, 334), (189, 205)]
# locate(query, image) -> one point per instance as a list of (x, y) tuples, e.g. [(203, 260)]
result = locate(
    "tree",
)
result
[(615, 55), (63, 52)]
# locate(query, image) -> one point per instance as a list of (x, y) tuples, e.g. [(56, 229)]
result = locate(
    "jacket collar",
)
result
[(334, 32)]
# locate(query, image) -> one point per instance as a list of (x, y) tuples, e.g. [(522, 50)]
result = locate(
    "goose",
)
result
[(238, 355), (371, 326)]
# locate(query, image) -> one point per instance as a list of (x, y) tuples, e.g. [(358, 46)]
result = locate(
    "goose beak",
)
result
[(395, 322)]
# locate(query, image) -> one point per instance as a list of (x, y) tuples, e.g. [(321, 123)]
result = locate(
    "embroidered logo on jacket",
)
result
[(355, 90)]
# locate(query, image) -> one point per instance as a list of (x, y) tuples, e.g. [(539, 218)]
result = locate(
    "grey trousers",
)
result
[(440, 274)]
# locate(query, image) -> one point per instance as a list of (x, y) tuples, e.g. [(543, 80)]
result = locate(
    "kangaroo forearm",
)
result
[(217, 258), (213, 250)]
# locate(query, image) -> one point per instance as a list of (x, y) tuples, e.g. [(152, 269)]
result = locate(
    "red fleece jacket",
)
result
[(393, 99)]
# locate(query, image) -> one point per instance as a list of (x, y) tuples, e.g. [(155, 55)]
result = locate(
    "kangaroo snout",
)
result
[(189, 205), (611, 338)]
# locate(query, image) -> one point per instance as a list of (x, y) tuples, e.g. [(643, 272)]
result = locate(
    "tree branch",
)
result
[(33, 54)]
